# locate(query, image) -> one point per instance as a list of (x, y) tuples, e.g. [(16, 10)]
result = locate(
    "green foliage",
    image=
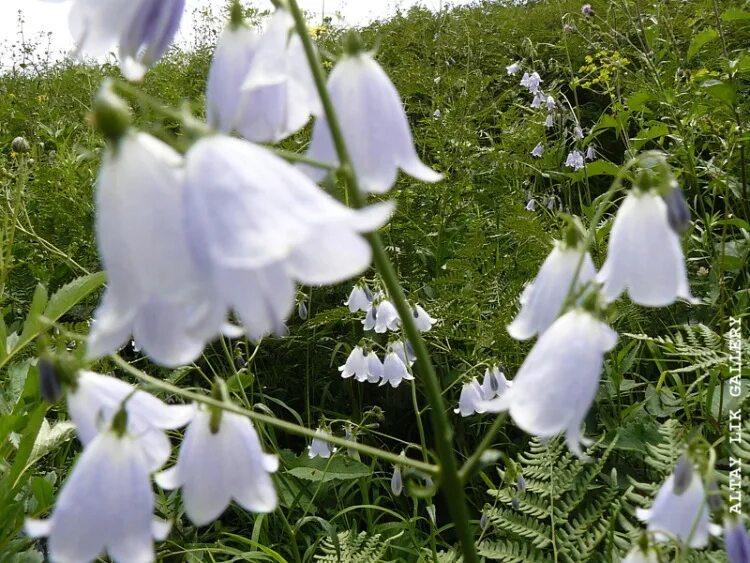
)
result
[(349, 547)]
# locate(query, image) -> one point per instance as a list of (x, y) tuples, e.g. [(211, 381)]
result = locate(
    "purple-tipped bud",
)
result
[(683, 474), (302, 310), (521, 484), (678, 212)]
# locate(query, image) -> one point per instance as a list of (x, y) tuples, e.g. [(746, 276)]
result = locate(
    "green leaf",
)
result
[(13, 478), (50, 438), (720, 90), (338, 468), (32, 325), (657, 131), (704, 37), (638, 100), (735, 14), (596, 168)]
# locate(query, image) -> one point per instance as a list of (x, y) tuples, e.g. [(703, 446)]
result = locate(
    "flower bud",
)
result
[(678, 212), (302, 310), (683, 475), (397, 482), (111, 113), (353, 43), (20, 145), (49, 383), (484, 521), (521, 484), (515, 503)]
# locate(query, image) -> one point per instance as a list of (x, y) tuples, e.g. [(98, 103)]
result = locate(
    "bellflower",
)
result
[(363, 365), (494, 383), (423, 320), (320, 447), (736, 541), (538, 150), (397, 482), (257, 225), (531, 205), (153, 287), (575, 160), (471, 400), (558, 380), (538, 100), (550, 120), (637, 555), (590, 153), (404, 352), (394, 370), (577, 133), (105, 505), (543, 299), (386, 317), (216, 466), (261, 85), (551, 104), (645, 255), (96, 399), (359, 299), (143, 28), (374, 124), (531, 82), (513, 68), (673, 515)]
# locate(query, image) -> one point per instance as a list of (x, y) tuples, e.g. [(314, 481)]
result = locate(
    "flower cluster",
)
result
[(475, 395), (107, 502), (381, 317)]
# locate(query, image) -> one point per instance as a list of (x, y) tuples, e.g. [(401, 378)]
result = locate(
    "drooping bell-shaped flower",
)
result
[(538, 150), (371, 316), (575, 160), (105, 505), (319, 447), (154, 290), (736, 541), (386, 317), (257, 225), (591, 153), (471, 400), (394, 370), (404, 351), (543, 299), (96, 398), (577, 133), (261, 85), (538, 100), (143, 28), (363, 365), (550, 103), (422, 319), (374, 125), (550, 120), (531, 82), (531, 205), (397, 482), (219, 464), (644, 256), (557, 382), (359, 299), (675, 515), (513, 68), (494, 383)]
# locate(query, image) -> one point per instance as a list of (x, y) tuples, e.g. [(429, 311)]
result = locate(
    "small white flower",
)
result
[(423, 321), (370, 317), (494, 383), (557, 382), (531, 205), (397, 482), (575, 160), (404, 351), (359, 299), (356, 365), (531, 82), (577, 133), (673, 515), (97, 398), (374, 368), (105, 505), (154, 288), (550, 121), (591, 153), (432, 513), (319, 447), (471, 400), (551, 104), (144, 29), (513, 68), (538, 150), (214, 468), (636, 555), (543, 299), (258, 225), (374, 124), (387, 317), (538, 100), (644, 256), (437, 114), (394, 370)]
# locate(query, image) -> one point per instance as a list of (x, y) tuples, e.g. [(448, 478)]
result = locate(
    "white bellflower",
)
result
[(394, 370), (471, 400), (319, 447)]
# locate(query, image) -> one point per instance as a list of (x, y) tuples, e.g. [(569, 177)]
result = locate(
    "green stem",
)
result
[(471, 464), (275, 422), (450, 480)]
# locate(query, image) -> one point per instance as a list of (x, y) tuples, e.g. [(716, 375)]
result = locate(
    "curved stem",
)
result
[(450, 480), (271, 421)]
